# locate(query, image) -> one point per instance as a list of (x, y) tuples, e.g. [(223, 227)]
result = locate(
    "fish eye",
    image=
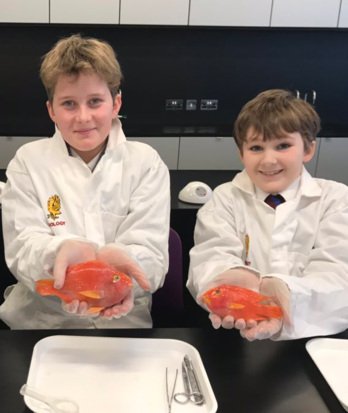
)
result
[(217, 291), (116, 278)]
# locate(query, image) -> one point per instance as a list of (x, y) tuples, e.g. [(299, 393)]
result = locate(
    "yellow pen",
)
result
[(247, 245)]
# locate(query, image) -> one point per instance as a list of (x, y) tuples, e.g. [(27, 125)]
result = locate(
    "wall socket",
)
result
[(174, 104), (191, 104), (209, 104)]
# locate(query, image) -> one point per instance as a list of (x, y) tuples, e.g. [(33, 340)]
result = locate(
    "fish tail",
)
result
[(45, 287)]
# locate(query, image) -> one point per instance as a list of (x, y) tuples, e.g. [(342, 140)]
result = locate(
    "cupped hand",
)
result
[(71, 252), (262, 330), (79, 308), (229, 322), (241, 277), (119, 259), (121, 309)]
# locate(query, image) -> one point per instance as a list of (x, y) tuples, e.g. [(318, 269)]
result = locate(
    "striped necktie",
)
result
[(274, 200)]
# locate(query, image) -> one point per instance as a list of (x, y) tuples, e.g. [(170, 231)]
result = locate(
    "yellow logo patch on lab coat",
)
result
[(53, 207)]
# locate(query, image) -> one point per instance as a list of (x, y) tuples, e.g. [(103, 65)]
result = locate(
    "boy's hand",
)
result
[(260, 330), (253, 330), (117, 311), (119, 259), (277, 289), (237, 276), (121, 309), (79, 308), (249, 329), (71, 252), (229, 322), (270, 286)]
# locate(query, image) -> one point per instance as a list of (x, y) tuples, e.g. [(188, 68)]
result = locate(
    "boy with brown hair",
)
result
[(294, 250), (84, 194)]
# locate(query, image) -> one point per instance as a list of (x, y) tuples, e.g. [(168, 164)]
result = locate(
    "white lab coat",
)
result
[(304, 242), (2, 184), (125, 200)]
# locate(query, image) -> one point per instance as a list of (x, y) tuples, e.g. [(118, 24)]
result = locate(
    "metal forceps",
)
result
[(192, 392), (170, 394)]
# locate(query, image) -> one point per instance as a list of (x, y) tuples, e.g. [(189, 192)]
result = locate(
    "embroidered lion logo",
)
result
[(53, 207)]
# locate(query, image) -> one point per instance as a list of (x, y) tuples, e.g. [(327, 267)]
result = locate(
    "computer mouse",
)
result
[(195, 192)]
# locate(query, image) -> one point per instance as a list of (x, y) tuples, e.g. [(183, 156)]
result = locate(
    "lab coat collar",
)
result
[(309, 186), (244, 183), (288, 194), (59, 142), (116, 136)]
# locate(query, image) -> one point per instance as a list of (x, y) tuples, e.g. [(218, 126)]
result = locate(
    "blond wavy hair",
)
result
[(74, 55)]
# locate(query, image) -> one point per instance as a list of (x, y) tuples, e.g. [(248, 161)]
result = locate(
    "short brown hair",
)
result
[(74, 55), (273, 112)]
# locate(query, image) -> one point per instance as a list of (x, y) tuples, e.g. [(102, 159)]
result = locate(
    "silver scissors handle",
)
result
[(192, 380), (192, 392), (183, 398)]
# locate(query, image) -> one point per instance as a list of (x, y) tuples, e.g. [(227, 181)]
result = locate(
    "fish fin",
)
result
[(94, 310), (236, 306), (91, 294), (45, 287)]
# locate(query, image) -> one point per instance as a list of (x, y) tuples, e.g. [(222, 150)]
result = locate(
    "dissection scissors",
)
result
[(192, 392)]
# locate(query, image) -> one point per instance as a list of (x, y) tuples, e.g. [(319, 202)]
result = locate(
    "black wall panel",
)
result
[(159, 63)]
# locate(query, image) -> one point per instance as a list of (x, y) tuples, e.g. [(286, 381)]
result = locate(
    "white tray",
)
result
[(331, 357), (107, 374)]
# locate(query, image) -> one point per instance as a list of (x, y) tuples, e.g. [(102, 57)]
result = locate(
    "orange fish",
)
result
[(94, 282), (240, 303)]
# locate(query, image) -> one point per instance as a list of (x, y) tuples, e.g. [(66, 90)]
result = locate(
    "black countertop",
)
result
[(262, 377)]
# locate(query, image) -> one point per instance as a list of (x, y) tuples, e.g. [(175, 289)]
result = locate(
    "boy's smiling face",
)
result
[(273, 165), (83, 110)]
